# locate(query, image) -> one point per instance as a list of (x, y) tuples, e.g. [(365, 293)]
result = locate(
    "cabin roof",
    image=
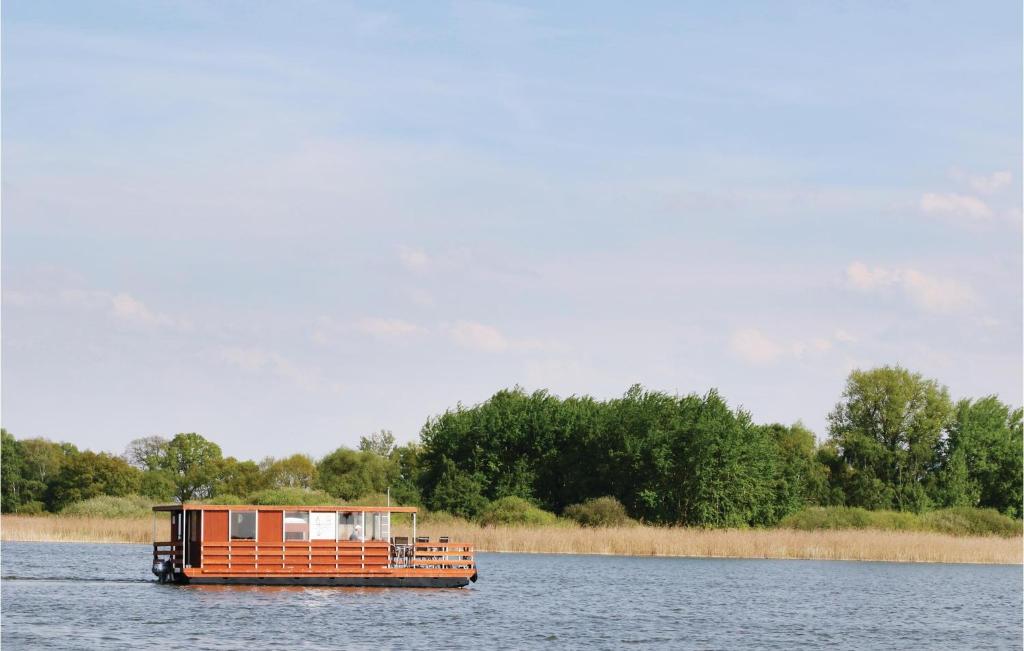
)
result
[(341, 508)]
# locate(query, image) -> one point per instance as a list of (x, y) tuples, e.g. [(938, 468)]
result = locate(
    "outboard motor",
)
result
[(163, 570)]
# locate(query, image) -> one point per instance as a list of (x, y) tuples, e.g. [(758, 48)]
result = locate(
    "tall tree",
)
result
[(887, 429), (380, 443), (193, 463), (406, 464), (350, 474), (11, 463), (296, 471), (240, 478), (147, 453), (983, 457), (803, 478)]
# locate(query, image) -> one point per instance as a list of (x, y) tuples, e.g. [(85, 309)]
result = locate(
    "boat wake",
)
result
[(72, 579)]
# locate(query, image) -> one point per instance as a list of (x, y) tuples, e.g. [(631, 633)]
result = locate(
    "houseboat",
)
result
[(304, 545)]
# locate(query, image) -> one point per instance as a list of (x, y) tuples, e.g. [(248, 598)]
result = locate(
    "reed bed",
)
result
[(64, 528), (859, 544)]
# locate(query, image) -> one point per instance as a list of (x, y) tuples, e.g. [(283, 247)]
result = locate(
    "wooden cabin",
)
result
[(304, 545)]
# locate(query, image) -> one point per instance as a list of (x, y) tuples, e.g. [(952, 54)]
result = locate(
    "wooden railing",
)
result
[(443, 555), (168, 551), (295, 556)]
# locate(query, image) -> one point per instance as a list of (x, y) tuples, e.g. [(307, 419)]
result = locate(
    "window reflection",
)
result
[(296, 525), (243, 525)]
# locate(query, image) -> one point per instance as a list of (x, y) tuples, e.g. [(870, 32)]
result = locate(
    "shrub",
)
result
[(33, 507), (970, 521), (961, 521), (108, 506), (842, 517), (515, 511), (599, 512), (291, 496)]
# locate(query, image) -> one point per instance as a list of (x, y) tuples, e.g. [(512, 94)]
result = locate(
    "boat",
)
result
[(333, 545)]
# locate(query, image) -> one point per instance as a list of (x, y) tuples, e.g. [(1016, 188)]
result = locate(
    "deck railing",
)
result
[(295, 556), (168, 551), (444, 555)]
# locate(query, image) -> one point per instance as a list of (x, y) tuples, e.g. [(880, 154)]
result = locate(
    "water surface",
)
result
[(89, 596)]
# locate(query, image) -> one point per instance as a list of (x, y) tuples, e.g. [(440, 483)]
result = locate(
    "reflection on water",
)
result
[(63, 596)]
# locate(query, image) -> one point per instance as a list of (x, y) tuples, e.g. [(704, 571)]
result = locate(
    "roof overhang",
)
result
[(342, 508)]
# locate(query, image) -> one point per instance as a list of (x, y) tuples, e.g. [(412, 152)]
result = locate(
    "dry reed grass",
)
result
[(860, 544), (78, 529)]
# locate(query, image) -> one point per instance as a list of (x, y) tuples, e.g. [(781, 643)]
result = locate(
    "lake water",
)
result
[(64, 596)]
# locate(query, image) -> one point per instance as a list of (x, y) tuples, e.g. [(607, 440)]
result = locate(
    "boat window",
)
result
[(372, 526), (296, 525), (346, 525), (321, 526), (243, 525)]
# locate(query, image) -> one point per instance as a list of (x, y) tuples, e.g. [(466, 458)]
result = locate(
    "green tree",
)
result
[(458, 493), (90, 474), (667, 459), (193, 463), (240, 478), (296, 471), (380, 443), (158, 485), (982, 457), (888, 430), (405, 474), (730, 468), (802, 478), (41, 461), (11, 463), (349, 474)]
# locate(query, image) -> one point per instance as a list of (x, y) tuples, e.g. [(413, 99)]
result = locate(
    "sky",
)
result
[(288, 225)]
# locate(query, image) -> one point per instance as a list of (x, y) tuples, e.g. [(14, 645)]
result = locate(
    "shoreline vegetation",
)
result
[(905, 473), (637, 540)]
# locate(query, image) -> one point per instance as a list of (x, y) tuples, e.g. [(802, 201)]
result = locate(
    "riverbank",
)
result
[(861, 544)]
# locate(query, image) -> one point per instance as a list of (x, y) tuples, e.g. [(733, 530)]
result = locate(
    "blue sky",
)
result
[(286, 225)]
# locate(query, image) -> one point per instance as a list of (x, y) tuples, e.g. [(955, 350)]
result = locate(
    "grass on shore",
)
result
[(845, 544)]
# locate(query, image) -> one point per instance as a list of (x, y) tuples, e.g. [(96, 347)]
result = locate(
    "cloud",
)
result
[(928, 292), (413, 259), (249, 359), (955, 205), (387, 328), (752, 346), (328, 330), (477, 336), (991, 183), (258, 360), (128, 308), (121, 306), (844, 337)]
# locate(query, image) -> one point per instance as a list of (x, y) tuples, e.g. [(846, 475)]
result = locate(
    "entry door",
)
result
[(193, 538)]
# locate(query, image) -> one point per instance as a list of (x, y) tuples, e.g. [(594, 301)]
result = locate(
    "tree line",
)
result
[(895, 441)]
